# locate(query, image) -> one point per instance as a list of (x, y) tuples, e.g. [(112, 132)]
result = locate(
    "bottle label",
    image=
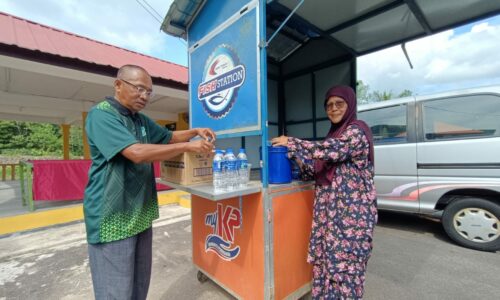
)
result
[(243, 164), (231, 165), (217, 166)]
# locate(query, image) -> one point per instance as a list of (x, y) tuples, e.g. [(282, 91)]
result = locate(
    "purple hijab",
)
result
[(326, 171)]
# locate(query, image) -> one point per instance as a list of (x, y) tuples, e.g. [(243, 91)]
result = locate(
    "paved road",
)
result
[(412, 259)]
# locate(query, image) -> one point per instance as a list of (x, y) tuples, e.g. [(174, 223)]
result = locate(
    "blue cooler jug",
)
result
[(280, 169)]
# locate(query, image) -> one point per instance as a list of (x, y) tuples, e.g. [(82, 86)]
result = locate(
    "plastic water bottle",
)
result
[(217, 171), (231, 174), (242, 168), (295, 170)]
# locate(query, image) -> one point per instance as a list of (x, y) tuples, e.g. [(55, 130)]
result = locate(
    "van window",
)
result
[(388, 124), (462, 117)]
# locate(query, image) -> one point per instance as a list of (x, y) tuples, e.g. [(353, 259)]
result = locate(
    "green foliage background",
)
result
[(364, 95), (36, 139)]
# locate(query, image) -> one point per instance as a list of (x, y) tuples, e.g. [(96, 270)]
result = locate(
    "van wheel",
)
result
[(473, 223)]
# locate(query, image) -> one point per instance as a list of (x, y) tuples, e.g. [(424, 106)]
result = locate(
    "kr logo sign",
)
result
[(224, 221)]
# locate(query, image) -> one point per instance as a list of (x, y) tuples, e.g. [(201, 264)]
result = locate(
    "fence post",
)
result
[(13, 171), (5, 168), (26, 178), (30, 187), (21, 179)]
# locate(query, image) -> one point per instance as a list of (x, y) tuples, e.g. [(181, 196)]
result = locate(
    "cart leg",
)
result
[(201, 277)]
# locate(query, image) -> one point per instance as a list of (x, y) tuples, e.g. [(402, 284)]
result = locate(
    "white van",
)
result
[(439, 155)]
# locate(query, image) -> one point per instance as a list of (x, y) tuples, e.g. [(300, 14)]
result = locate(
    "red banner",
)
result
[(66, 179), (60, 179)]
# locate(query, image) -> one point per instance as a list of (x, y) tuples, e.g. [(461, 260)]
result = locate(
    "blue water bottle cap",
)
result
[(229, 150), (242, 150)]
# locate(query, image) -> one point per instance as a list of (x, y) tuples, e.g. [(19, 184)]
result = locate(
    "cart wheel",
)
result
[(201, 277)]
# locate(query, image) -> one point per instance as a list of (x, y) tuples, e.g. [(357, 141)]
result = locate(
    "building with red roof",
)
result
[(53, 76), (50, 75)]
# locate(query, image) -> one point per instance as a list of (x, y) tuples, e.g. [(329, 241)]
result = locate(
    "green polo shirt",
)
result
[(120, 198)]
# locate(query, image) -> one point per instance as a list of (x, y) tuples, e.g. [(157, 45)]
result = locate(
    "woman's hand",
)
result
[(280, 141)]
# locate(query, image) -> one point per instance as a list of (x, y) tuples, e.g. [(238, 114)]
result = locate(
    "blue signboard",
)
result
[(224, 77), (213, 14)]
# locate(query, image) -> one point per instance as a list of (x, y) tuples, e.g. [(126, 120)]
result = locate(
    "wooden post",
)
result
[(21, 178), (65, 136), (86, 149), (13, 172), (4, 172)]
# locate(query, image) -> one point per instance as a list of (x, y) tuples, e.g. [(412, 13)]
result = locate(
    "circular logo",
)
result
[(222, 77)]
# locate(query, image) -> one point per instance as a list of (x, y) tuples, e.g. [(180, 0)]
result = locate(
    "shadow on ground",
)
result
[(413, 223)]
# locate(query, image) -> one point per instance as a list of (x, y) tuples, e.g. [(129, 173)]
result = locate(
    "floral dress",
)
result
[(344, 214)]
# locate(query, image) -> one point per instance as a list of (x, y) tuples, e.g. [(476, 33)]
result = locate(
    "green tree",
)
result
[(382, 96), (7, 132), (44, 139), (30, 138), (12, 134), (387, 95), (405, 93), (75, 141), (362, 92)]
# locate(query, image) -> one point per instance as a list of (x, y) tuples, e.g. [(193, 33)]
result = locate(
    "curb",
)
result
[(50, 217)]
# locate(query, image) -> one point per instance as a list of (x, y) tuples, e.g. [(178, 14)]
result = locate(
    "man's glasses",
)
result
[(139, 89), (336, 104)]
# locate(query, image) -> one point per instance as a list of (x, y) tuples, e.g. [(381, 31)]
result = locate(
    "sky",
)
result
[(465, 57)]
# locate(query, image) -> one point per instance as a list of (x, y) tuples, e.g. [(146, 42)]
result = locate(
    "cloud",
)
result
[(444, 61), (125, 24)]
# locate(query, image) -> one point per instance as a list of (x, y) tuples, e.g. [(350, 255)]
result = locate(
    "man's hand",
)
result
[(182, 136), (200, 146), (206, 134), (280, 141)]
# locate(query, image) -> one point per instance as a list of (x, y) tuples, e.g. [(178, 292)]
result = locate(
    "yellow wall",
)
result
[(183, 121), (65, 136), (86, 149), (163, 122), (181, 124)]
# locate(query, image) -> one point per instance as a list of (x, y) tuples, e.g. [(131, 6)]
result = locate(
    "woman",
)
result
[(345, 207)]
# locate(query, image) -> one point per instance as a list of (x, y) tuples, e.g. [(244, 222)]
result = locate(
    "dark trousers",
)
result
[(122, 269)]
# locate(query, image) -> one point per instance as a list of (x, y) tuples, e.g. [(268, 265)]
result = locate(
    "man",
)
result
[(120, 199)]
